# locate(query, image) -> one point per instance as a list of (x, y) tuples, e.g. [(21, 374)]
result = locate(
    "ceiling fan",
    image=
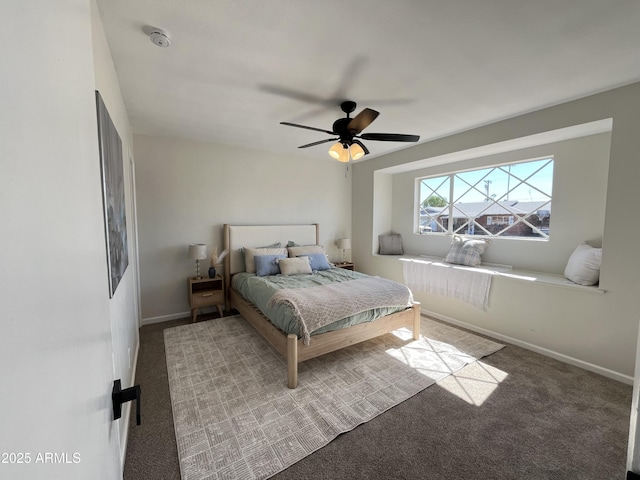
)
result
[(348, 130)]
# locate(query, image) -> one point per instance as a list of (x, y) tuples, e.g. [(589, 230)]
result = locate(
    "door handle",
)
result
[(120, 396)]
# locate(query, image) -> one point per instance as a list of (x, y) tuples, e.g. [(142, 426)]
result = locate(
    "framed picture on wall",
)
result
[(115, 220)]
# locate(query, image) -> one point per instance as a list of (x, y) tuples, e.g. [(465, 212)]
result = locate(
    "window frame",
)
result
[(512, 217)]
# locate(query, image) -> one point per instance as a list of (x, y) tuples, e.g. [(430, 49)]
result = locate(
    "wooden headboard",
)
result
[(238, 236)]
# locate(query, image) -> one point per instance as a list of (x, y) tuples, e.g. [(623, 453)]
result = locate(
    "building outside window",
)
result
[(512, 200)]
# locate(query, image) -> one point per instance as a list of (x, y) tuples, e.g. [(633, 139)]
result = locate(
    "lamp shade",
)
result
[(339, 152), (344, 243), (336, 150), (197, 251), (356, 151)]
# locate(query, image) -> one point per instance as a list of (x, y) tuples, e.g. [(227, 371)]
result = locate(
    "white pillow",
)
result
[(249, 253), (583, 266), (294, 266)]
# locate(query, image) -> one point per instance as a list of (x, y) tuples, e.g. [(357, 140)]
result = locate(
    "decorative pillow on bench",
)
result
[(583, 266), (466, 251), (390, 244)]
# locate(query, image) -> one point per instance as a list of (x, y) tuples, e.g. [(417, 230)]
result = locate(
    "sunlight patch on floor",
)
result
[(421, 359), (474, 383), (403, 333)]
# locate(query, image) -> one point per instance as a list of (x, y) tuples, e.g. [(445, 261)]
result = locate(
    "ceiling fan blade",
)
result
[(362, 120), (308, 128), (366, 150), (318, 143), (390, 137), (296, 95)]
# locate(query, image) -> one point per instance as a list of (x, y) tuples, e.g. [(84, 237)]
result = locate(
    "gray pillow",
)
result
[(466, 251), (391, 244)]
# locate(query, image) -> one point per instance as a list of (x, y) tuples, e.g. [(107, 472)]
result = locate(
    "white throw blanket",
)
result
[(315, 307), (467, 284)]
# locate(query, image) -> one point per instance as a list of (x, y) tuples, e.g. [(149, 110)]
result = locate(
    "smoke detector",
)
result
[(159, 37)]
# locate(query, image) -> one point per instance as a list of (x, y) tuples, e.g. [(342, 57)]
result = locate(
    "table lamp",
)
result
[(197, 252), (344, 244)]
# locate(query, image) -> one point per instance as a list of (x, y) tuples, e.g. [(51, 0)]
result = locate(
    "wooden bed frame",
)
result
[(289, 346)]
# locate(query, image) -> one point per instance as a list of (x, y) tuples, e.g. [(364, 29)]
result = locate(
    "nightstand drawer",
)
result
[(346, 265), (205, 292), (203, 299)]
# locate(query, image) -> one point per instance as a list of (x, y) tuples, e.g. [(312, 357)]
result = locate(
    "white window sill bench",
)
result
[(505, 271)]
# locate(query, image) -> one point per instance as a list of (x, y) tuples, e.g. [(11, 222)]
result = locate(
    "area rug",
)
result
[(234, 416)]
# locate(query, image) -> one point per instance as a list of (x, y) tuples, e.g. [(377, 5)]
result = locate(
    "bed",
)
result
[(299, 346)]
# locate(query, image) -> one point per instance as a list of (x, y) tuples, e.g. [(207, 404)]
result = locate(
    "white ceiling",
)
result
[(236, 68)]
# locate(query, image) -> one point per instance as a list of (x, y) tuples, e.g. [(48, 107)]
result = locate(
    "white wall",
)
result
[(187, 190), (123, 307), (56, 318)]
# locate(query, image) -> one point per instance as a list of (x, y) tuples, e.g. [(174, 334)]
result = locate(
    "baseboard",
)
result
[(164, 318), (534, 348), (124, 437)]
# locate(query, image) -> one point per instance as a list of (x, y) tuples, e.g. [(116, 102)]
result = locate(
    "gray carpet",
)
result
[(513, 415)]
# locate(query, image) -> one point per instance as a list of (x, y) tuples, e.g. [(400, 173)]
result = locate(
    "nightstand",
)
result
[(205, 292), (345, 265)]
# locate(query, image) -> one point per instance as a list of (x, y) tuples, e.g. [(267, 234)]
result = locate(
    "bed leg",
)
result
[(416, 321), (292, 361)]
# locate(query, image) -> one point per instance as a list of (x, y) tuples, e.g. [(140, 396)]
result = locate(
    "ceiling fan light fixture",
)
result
[(344, 156), (336, 150), (356, 151), (348, 130), (343, 152)]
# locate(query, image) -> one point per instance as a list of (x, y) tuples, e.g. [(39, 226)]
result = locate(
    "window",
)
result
[(511, 200), (500, 220)]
